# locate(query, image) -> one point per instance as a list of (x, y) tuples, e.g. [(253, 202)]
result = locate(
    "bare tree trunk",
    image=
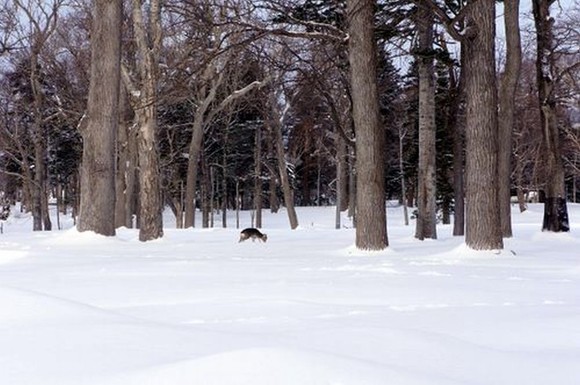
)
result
[(283, 172), (258, 177), (426, 224), (131, 199), (204, 193), (458, 158), (371, 228), (402, 174), (225, 186), (483, 231), (41, 219), (273, 196), (148, 40), (508, 85), (122, 163), (193, 159), (555, 207), (352, 185), (97, 207), (341, 175)]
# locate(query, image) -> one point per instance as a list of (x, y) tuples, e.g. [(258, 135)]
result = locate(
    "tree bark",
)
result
[(458, 157), (483, 230), (148, 42), (258, 177), (283, 170), (508, 85), (97, 208), (371, 229), (555, 207), (426, 224)]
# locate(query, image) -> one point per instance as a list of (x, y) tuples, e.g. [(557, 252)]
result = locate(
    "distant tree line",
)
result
[(114, 110)]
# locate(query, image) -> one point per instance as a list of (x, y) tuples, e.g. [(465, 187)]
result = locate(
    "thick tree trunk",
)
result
[(483, 230), (555, 207), (371, 224), (426, 224), (148, 41), (97, 208), (150, 202), (509, 82)]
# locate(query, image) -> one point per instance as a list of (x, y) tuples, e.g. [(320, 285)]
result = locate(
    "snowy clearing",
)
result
[(305, 308)]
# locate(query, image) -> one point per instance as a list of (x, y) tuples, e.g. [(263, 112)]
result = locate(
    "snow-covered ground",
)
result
[(305, 308)]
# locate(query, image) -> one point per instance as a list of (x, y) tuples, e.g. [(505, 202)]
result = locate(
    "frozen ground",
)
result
[(306, 308)]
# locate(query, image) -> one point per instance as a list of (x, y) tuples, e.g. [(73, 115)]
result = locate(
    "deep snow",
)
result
[(305, 308)]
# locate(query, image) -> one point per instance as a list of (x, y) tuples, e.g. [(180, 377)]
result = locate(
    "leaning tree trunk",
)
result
[(97, 208), (509, 82), (426, 225), (483, 226), (284, 178), (555, 207), (371, 220)]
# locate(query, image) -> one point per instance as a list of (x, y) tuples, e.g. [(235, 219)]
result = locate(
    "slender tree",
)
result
[(507, 91), (97, 208)]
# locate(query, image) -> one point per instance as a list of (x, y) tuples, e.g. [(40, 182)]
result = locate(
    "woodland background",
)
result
[(221, 105)]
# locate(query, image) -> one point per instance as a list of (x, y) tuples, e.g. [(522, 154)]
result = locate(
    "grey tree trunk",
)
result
[(458, 157), (508, 85), (371, 222), (283, 172), (426, 224), (555, 206), (97, 207), (148, 40), (273, 200), (483, 225), (341, 179), (258, 177)]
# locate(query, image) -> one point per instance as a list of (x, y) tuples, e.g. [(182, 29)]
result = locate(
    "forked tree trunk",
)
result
[(97, 206), (426, 225), (371, 223), (509, 82), (483, 230), (555, 207)]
